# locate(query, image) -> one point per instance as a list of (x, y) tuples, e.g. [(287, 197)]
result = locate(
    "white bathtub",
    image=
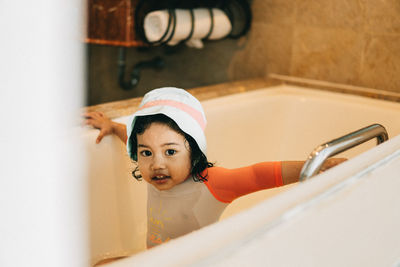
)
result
[(279, 123)]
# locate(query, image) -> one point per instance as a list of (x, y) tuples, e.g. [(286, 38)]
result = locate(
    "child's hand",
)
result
[(99, 121), (331, 162)]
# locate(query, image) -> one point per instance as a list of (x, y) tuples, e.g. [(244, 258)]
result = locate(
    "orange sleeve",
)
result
[(226, 185)]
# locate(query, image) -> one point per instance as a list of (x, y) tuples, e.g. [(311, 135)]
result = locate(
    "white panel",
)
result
[(43, 193)]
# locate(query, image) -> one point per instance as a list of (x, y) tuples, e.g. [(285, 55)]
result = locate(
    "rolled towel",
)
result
[(156, 25)]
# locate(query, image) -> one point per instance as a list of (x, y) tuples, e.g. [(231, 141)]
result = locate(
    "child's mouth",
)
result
[(160, 179)]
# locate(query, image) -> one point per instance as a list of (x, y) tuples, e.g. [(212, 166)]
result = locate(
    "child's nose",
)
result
[(158, 163)]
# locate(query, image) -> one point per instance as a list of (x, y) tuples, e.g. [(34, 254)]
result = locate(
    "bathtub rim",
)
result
[(121, 108), (291, 91)]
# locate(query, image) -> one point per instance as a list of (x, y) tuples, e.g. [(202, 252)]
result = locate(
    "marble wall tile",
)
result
[(331, 54), (273, 11), (267, 48), (381, 62), (382, 16), (330, 13)]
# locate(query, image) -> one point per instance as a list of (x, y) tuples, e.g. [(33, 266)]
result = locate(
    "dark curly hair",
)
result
[(198, 160)]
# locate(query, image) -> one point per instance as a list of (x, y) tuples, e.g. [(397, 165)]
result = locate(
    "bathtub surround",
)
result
[(339, 88), (114, 191), (349, 42), (127, 107)]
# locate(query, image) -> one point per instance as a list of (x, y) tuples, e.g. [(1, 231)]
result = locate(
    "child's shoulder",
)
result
[(215, 172)]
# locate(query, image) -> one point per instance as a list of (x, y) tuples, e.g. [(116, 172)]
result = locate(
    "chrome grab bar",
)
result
[(320, 154)]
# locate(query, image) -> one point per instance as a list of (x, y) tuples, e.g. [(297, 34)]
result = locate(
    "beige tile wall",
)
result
[(347, 41)]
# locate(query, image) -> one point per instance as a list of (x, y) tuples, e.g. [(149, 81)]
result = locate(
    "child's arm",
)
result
[(228, 184), (100, 121), (291, 169)]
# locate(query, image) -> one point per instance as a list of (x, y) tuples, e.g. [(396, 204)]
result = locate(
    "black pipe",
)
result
[(155, 63)]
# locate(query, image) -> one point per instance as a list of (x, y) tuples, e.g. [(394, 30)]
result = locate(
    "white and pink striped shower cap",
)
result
[(177, 104)]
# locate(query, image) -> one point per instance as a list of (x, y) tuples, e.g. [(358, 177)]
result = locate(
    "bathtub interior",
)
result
[(116, 201), (287, 123), (281, 123)]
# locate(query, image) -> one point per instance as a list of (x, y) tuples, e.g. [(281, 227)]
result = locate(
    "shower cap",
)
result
[(177, 104)]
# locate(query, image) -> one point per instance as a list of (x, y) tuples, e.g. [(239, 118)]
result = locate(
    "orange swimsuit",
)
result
[(228, 184), (192, 205)]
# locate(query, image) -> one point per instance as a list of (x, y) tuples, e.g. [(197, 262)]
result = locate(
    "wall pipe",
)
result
[(155, 63)]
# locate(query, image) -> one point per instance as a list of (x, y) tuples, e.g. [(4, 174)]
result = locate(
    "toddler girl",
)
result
[(185, 191)]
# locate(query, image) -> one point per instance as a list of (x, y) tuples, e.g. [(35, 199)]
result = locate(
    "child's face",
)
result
[(163, 156)]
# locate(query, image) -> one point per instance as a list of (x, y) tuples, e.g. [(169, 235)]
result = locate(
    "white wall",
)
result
[(43, 194)]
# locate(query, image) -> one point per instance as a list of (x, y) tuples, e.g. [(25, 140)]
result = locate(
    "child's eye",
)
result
[(170, 152), (145, 153)]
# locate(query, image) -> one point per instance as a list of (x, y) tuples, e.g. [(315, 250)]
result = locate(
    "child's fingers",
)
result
[(103, 132), (88, 121), (88, 115), (96, 122), (98, 114), (332, 162), (337, 161), (92, 123), (93, 114), (99, 137)]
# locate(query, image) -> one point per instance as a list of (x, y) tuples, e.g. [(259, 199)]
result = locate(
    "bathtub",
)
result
[(276, 123)]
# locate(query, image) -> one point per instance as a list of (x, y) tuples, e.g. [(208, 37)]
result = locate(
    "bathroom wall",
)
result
[(346, 41), (184, 67)]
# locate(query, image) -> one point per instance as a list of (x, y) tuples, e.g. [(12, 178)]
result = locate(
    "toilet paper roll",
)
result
[(156, 25)]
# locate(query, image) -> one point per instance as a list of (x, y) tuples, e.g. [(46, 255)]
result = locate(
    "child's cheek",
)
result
[(142, 170)]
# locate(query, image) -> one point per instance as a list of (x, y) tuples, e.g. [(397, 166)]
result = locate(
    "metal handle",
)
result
[(320, 154)]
